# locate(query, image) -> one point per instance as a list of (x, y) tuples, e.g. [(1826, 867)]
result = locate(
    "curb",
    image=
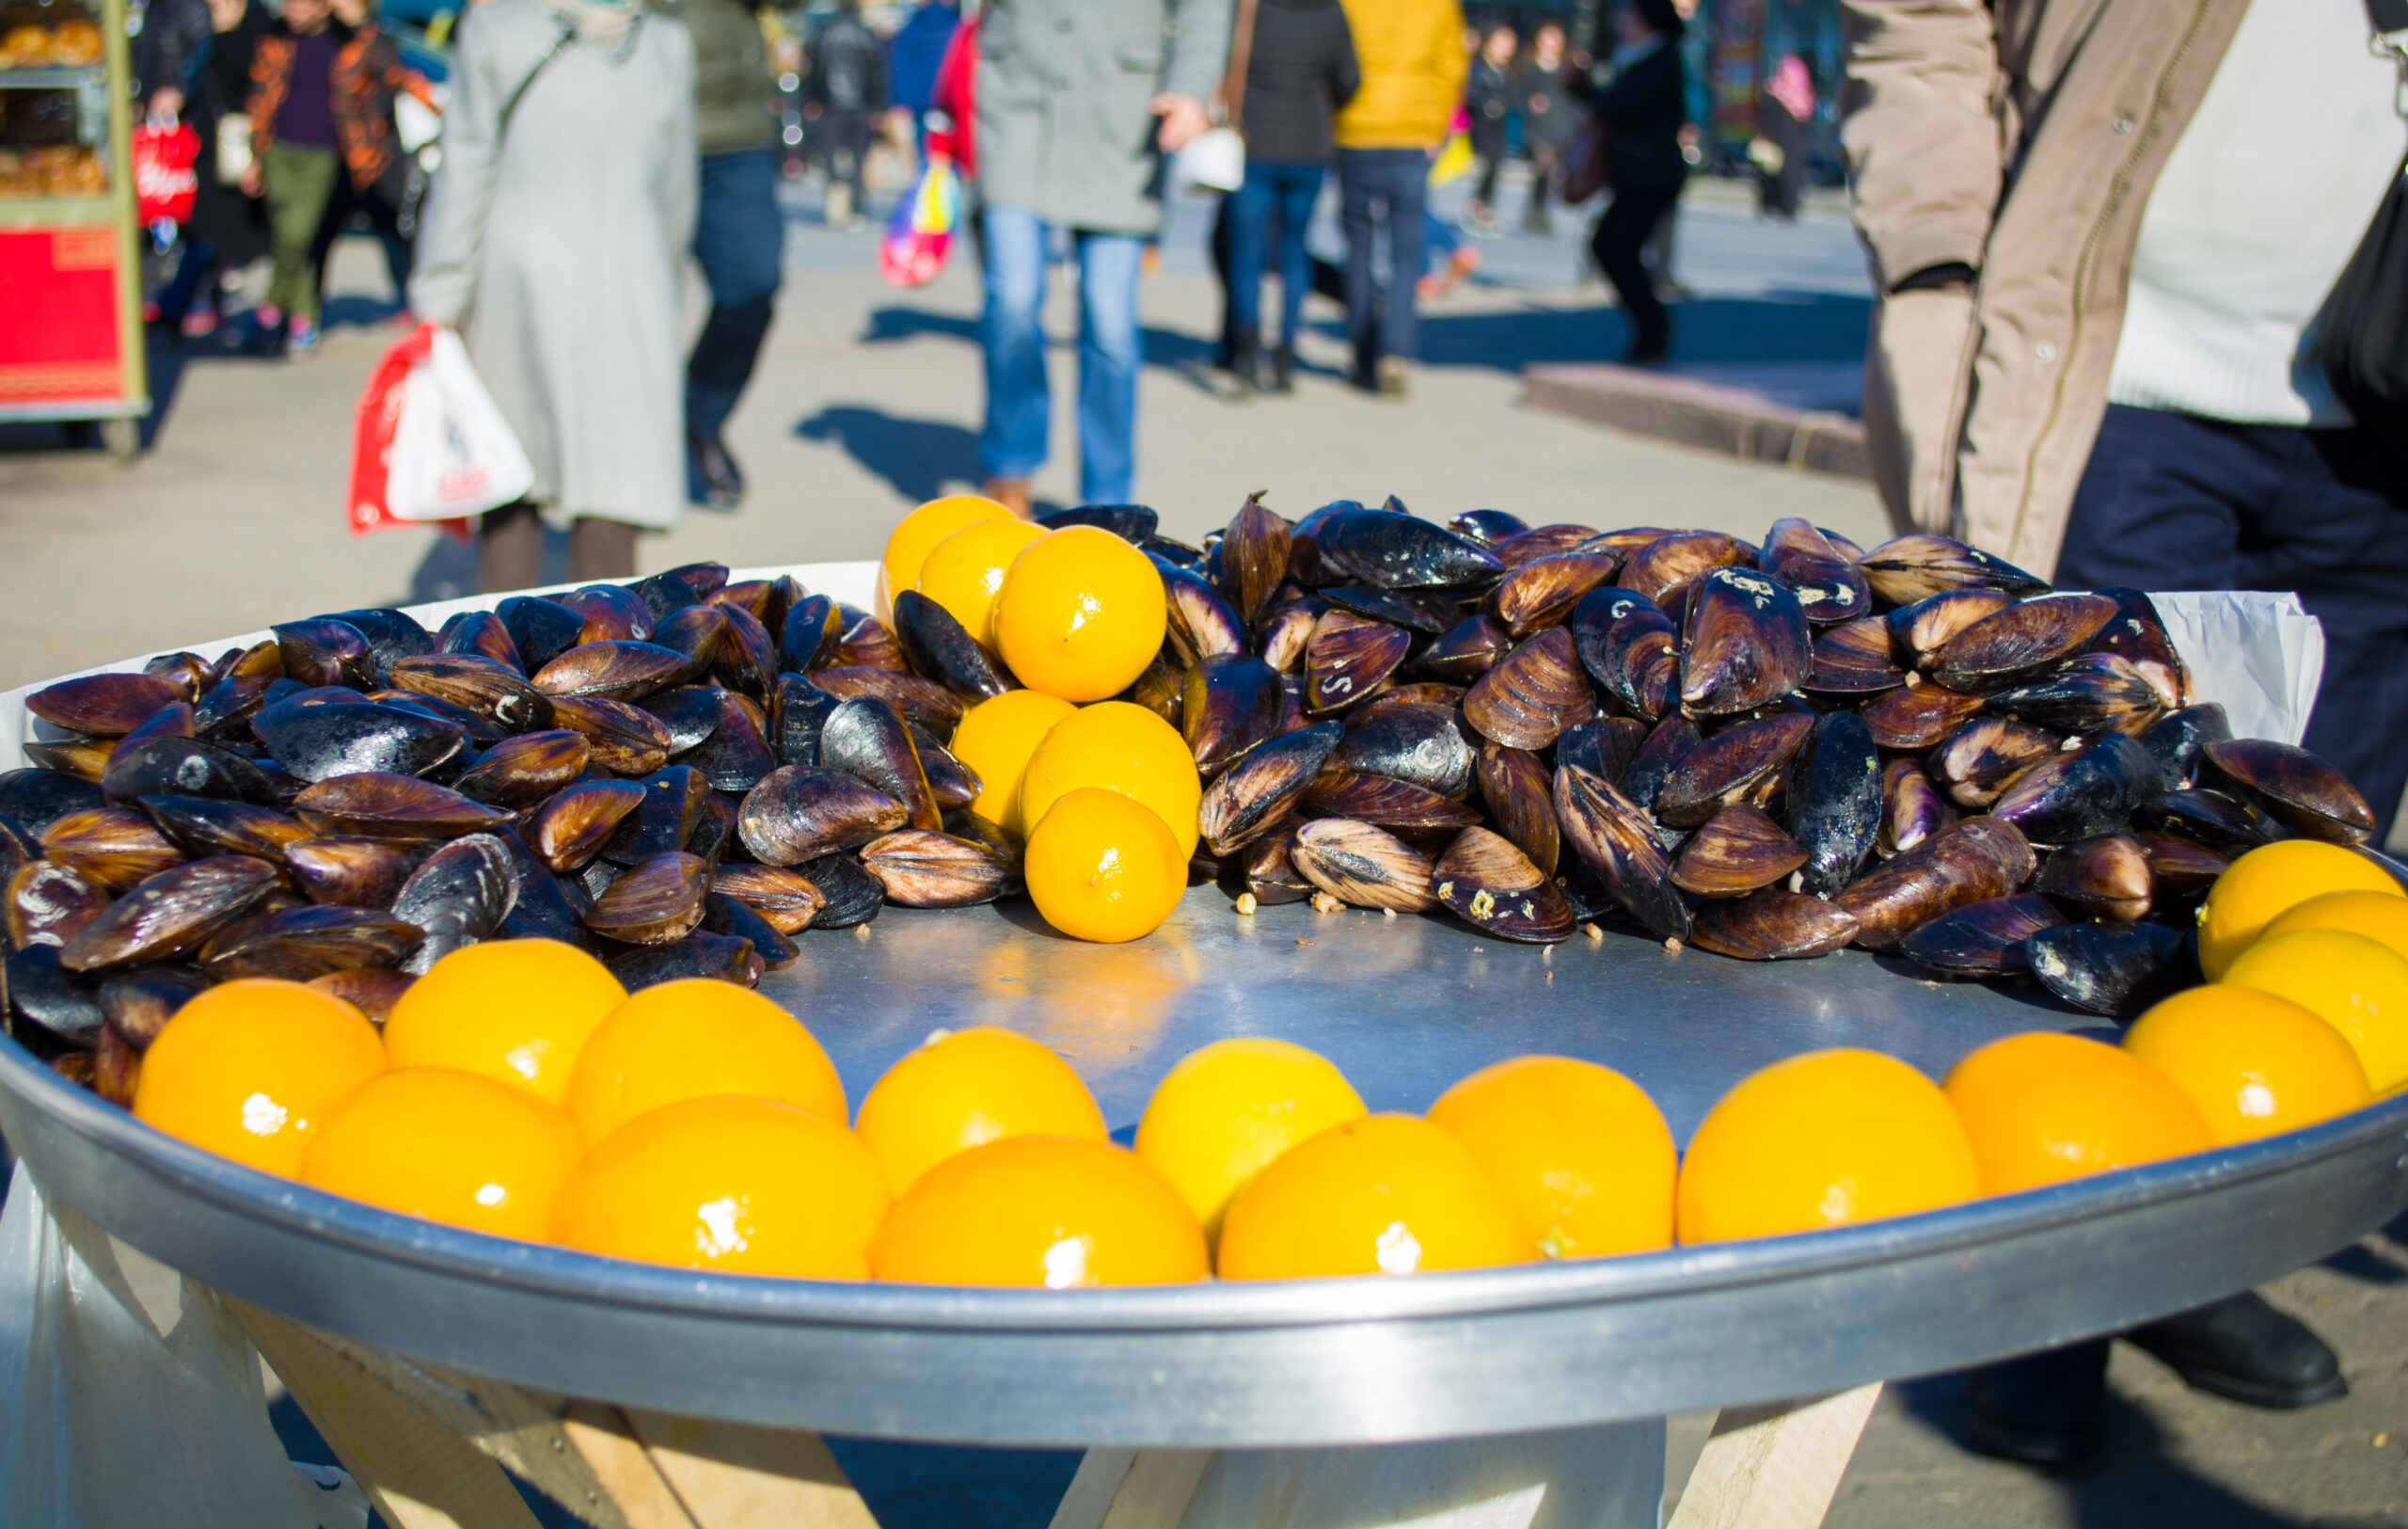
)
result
[(1742, 421)]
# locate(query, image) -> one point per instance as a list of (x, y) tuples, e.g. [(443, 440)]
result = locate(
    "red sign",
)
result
[(58, 317)]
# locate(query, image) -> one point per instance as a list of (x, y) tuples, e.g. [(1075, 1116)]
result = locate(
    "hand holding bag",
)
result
[(1214, 159), (428, 442)]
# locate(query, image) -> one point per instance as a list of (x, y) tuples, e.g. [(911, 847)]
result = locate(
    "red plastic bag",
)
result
[(378, 419), (164, 181)]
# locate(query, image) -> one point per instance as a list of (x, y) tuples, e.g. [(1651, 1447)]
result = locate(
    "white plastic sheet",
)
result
[(2259, 655)]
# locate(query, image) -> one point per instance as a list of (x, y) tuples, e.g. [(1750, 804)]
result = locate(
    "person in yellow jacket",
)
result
[(1413, 64)]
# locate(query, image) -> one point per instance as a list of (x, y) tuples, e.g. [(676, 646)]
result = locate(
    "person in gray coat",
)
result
[(555, 236), (1078, 100)]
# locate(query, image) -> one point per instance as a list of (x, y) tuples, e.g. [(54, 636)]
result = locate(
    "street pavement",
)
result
[(868, 403)]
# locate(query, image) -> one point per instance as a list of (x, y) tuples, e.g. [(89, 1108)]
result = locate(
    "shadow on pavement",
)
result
[(919, 458)]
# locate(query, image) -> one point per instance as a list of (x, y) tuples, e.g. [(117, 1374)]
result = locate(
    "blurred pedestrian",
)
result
[(1644, 106), (1077, 101), (295, 163), (1302, 70), (2153, 414), (1780, 149), (1550, 117), (228, 227), (846, 89), (914, 56), (739, 235), (1488, 102), (172, 34), (556, 235), (1413, 65), (374, 184)]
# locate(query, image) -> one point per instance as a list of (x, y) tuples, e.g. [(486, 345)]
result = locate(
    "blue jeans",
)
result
[(1019, 403), (1286, 192), (739, 241), (1382, 190)]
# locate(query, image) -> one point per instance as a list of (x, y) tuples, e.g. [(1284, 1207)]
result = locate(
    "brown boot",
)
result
[(1012, 494)]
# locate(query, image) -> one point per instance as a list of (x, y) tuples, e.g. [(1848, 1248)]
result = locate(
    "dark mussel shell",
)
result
[(1421, 692), (1746, 643), (1979, 761), (1251, 796), (1982, 939), (112, 848), (2138, 636), (1629, 646), (1917, 715), (380, 805), (324, 651), (392, 634), (1520, 796), (183, 766), (1281, 637), (1427, 612), (624, 740), (1377, 799), (170, 914), (941, 649), (725, 915), (1771, 924), (2179, 866), (358, 872), (714, 828), (703, 581), (862, 642), (1465, 650), (1823, 579), (809, 633), (60, 1006), (611, 613), (864, 738), (665, 594), (799, 710), (1738, 850), (663, 820), (1201, 623), (2295, 788), (1831, 802), (1619, 844), (616, 670), (225, 709), (372, 990), (103, 706), (1130, 522), (1427, 745), (2096, 692), (2107, 877), (539, 628), (1912, 807), (1730, 766), (2075, 794), (522, 771), (1487, 527), (1677, 559), (545, 909), (850, 895), (1541, 592), (177, 719), (1548, 541), (202, 826), (319, 743), (476, 635), (2204, 816), (481, 731), (921, 870), (189, 671), (1659, 754), (1362, 865), (459, 895), (922, 701), (35, 799), (654, 902), (1349, 659), (477, 683), (1253, 558), (1855, 657), (747, 661), (1229, 704), (1604, 747), (780, 896), (1924, 627), (1270, 874), (1908, 569), (2178, 740), (1401, 552), (800, 813), (48, 903), (734, 756), (1160, 689), (2114, 969), (137, 1001), (1968, 862), (300, 944), (953, 783), (2018, 644), (702, 953), (86, 758), (1533, 695), (1487, 882), (1305, 567)]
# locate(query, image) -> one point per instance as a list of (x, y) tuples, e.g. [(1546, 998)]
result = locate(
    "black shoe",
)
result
[(2043, 1408), (2244, 1350), (1245, 360), (712, 477), (1283, 371)]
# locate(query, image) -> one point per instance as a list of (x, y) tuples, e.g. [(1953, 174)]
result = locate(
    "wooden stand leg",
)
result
[(1775, 1466)]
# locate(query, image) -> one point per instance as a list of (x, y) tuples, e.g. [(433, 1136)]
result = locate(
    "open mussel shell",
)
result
[(1401, 552), (1200, 623), (1730, 766), (2114, 969), (1968, 862), (622, 739), (1924, 627), (103, 706), (921, 870), (50, 1006), (1533, 695), (1487, 882), (2138, 636), (866, 738), (1465, 650), (848, 895), (1979, 761), (1665, 565), (718, 957), (320, 741), (1982, 939), (380, 805), (616, 670), (1247, 799), (324, 651), (458, 896), (2095, 692), (49, 903), (2108, 876), (112, 848), (356, 871), (170, 914), (137, 1001), (1487, 527), (1619, 844), (780, 896), (2018, 644), (2178, 740), (1362, 865), (300, 944), (522, 771), (477, 634), (1629, 647), (1855, 657), (1746, 643), (1427, 745), (1738, 850), (1282, 636), (1541, 592), (1349, 658), (1908, 569), (915, 699), (941, 649), (1825, 579), (2204, 816), (183, 767), (800, 813), (1377, 799), (2294, 787), (477, 683), (1913, 808), (2076, 793), (654, 902), (1229, 703), (1918, 715), (673, 804), (1519, 792), (1253, 558), (1771, 924)]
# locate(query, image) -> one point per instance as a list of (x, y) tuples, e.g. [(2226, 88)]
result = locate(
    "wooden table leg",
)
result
[(1775, 1466)]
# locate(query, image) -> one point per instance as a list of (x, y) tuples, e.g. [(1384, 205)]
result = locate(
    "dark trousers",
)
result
[(739, 241), (383, 211), (848, 135), (1621, 235), (1280, 196), (1382, 191), (1488, 147), (2171, 501)]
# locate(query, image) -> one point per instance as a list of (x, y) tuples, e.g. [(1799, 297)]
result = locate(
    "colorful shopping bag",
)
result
[(920, 232)]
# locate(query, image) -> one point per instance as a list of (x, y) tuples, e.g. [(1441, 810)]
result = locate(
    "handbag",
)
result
[(233, 147), (2364, 342), (1214, 159), (1587, 169), (164, 181)]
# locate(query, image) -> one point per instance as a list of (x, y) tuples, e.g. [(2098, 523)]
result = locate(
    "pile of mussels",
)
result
[(1766, 751)]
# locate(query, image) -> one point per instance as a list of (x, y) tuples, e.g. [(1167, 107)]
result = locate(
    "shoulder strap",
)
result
[(510, 107), (1242, 57)]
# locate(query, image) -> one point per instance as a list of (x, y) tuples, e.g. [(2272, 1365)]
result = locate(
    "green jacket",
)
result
[(731, 74)]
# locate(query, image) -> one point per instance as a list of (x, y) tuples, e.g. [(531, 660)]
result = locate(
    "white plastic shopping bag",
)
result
[(452, 452)]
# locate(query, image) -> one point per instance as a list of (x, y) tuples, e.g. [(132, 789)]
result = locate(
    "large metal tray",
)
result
[(1404, 1005)]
